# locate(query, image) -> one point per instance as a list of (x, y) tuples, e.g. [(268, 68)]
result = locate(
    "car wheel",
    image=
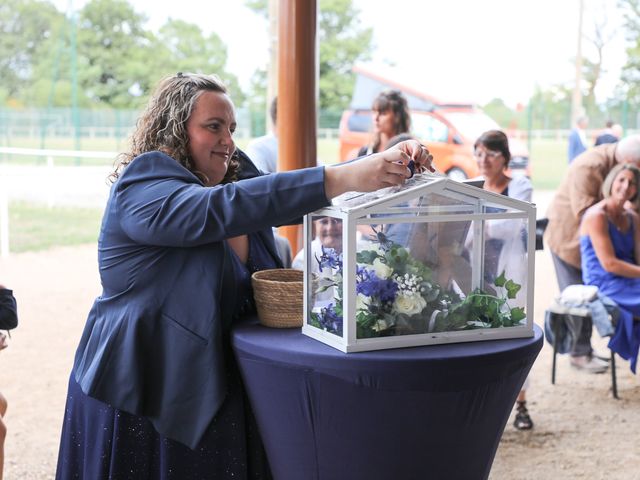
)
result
[(457, 174)]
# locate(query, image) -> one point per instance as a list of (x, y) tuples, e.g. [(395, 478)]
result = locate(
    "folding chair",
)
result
[(557, 315)]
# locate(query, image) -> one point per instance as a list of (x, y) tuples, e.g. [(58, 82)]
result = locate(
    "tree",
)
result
[(551, 108), (26, 26), (186, 49), (342, 44), (501, 113), (631, 71), (113, 48), (592, 70)]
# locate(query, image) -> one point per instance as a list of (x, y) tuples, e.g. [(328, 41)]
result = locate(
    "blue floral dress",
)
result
[(624, 291)]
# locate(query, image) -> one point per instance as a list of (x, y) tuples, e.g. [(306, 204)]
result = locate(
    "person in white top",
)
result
[(263, 151), (492, 154)]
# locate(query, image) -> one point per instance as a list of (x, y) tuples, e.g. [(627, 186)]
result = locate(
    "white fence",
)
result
[(51, 184)]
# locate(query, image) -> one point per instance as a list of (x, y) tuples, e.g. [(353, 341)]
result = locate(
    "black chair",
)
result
[(541, 226)]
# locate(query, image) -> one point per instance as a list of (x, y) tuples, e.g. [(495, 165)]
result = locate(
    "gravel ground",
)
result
[(580, 430)]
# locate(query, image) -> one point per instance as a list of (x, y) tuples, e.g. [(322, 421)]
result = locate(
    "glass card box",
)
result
[(434, 261)]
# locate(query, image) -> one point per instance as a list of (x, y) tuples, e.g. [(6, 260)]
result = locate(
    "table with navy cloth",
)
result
[(433, 412)]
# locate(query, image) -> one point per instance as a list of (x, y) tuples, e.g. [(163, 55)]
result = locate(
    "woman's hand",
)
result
[(418, 153), (380, 170)]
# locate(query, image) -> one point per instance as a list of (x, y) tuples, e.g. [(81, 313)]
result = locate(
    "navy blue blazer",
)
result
[(152, 344)]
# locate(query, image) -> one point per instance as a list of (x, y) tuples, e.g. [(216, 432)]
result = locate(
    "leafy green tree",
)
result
[(25, 28), (343, 42), (551, 108), (122, 62), (113, 48), (501, 113), (184, 48), (631, 71)]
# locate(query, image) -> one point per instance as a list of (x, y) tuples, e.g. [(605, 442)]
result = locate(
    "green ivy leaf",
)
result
[(517, 314), (366, 256), (512, 289), (500, 281)]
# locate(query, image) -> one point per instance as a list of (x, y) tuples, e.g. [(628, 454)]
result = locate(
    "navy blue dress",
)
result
[(102, 442)]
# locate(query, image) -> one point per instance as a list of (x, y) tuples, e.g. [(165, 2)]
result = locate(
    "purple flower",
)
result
[(330, 320), (368, 283), (330, 259)]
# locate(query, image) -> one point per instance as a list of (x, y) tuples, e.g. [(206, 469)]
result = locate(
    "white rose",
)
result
[(379, 325), (362, 302), (382, 270), (409, 304)]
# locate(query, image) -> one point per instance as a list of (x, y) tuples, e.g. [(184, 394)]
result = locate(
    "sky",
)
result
[(458, 50)]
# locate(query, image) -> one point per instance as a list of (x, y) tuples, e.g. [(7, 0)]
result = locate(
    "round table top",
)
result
[(289, 346)]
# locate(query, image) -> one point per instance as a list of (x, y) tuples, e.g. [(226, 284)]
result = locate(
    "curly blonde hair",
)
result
[(163, 124)]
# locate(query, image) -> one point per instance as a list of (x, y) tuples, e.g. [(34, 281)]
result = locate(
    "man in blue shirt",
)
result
[(578, 138), (611, 134)]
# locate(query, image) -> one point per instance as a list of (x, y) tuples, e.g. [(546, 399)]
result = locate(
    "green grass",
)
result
[(548, 163), (38, 227)]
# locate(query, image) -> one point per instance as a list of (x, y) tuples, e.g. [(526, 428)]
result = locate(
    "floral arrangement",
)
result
[(398, 295)]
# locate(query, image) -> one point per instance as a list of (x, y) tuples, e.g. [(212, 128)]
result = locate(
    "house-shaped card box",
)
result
[(434, 261)]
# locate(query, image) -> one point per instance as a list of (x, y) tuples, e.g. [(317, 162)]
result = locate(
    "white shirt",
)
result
[(263, 152)]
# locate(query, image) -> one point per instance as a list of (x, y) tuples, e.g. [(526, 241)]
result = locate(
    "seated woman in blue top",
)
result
[(610, 250), (154, 391)]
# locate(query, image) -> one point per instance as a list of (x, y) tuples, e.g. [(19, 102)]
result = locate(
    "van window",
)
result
[(360, 122), (429, 129)]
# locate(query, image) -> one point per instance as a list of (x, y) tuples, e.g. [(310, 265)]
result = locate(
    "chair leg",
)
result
[(614, 383), (555, 350)]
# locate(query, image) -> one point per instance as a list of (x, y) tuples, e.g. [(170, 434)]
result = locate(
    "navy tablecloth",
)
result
[(434, 412)]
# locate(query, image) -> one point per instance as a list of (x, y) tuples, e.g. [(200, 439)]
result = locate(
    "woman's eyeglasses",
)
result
[(489, 154)]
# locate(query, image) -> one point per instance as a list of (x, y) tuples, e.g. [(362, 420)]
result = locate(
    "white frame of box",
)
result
[(358, 215)]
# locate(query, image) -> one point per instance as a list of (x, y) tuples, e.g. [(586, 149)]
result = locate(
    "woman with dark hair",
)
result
[(154, 391), (610, 252), (505, 249), (390, 118)]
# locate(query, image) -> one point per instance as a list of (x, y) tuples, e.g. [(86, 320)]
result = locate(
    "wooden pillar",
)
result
[(296, 93)]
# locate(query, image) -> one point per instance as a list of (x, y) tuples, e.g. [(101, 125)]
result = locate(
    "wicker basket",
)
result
[(278, 296)]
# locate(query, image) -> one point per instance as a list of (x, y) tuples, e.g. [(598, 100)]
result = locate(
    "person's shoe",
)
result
[(599, 356), (523, 420), (599, 361), (588, 364)]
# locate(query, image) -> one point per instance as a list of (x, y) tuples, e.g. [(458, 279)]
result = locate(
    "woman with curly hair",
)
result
[(154, 391), (390, 118)]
